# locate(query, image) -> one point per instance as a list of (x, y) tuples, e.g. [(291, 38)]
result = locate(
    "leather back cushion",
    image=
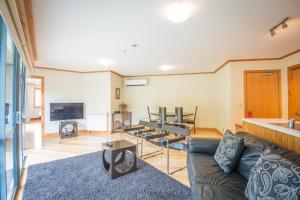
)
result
[(253, 148)]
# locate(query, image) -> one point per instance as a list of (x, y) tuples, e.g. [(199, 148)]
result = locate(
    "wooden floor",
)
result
[(54, 148)]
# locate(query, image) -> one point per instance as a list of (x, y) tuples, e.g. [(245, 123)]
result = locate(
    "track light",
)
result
[(272, 32), (283, 25)]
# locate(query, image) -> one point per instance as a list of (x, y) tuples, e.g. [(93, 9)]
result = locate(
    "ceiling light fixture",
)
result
[(178, 12), (283, 25), (106, 62), (166, 67)]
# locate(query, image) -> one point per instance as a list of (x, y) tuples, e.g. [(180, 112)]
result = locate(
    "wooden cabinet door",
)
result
[(294, 91), (262, 94)]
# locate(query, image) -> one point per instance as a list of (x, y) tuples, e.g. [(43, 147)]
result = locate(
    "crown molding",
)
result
[(223, 65), (78, 72), (174, 74)]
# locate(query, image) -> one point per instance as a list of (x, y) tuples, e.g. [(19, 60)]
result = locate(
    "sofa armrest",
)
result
[(203, 145)]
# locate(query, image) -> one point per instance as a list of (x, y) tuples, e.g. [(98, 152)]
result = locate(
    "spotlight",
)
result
[(284, 25), (281, 24), (272, 32)]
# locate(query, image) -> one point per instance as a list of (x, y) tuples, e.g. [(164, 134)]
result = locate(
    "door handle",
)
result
[(18, 117), (2, 141), (297, 113)]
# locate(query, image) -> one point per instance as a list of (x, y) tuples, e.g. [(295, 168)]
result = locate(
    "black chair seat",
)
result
[(188, 121), (133, 128), (152, 136), (163, 141)]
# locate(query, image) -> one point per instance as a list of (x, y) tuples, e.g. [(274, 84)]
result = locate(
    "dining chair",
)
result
[(149, 114), (162, 115), (178, 114), (137, 131), (168, 137), (192, 121)]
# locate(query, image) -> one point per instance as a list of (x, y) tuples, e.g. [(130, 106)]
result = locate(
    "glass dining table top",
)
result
[(172, 114)]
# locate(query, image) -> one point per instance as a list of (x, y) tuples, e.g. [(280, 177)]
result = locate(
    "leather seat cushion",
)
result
[(208, 180)]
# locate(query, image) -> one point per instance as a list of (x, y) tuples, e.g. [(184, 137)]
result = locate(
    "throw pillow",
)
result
[(229, 151), (274, 177)]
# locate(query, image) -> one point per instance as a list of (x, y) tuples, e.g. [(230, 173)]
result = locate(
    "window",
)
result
[(37, 97)]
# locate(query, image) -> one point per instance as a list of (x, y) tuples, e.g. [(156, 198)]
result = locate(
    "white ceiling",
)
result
[(75, 34)]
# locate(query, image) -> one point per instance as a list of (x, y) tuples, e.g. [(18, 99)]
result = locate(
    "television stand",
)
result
[(68, 129)]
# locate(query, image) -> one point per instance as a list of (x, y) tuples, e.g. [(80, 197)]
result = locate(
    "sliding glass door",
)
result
[(3, 108), (12, 113), (10, 121), (22, 110)]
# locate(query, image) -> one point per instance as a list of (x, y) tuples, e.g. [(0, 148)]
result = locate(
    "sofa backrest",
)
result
[(254, 147)]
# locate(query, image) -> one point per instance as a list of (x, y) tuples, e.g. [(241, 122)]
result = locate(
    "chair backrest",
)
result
[(195, 113), (149, 114), (162, 114), (149, 124), (176, 130), (179, 114)]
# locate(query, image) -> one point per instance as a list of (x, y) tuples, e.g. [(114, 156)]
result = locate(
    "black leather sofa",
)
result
[(209, 182)]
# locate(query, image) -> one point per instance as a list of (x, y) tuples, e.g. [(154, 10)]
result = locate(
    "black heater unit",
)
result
[(68, 129)]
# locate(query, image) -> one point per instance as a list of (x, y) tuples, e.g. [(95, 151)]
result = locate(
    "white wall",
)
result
[(237, 85), (219, 96), (96, 90), (186, 91), (223, 98), (96, 95), (116, 82), (60, 87)]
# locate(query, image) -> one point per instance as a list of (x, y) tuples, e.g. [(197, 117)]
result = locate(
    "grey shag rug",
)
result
[(82, 177)]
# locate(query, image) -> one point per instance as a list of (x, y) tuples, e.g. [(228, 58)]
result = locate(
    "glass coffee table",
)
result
[(119, 158)]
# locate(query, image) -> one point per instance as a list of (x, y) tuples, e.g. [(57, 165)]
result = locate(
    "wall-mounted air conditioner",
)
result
[(136, 82)]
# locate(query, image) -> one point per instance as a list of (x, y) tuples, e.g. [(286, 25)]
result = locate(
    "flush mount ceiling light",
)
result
[(283, 25), (106, 62), (178, 12), (166, 67)]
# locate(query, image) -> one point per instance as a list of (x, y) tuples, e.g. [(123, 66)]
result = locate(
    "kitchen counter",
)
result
[(279, 125)]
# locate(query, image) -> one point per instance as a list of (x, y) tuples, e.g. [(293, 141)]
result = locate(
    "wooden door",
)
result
[(294, 91), (262, 94)]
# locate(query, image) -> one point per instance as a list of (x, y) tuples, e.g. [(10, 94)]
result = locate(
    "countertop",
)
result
[(274, 124)]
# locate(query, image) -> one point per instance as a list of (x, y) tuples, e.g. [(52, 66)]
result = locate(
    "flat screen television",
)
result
[(66, 111)]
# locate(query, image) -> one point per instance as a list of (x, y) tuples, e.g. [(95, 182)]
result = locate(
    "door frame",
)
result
[(288, 78), (42, 78), (279, 86)]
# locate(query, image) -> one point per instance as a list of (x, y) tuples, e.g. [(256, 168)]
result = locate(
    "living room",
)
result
[(173, 99)]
